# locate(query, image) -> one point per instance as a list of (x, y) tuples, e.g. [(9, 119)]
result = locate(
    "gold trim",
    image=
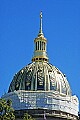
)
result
[(40, 39), (40, 50), (40, 58)]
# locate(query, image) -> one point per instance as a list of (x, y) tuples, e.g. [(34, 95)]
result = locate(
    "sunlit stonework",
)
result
[(40, 87), (40, 76)]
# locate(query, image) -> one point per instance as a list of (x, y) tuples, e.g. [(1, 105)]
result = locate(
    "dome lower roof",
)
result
[(40, 76)]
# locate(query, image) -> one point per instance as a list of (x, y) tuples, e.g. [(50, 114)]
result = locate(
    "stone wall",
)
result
[(43, 100), (50, 115)]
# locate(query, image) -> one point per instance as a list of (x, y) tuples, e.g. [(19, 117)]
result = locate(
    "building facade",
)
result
[(41, 89)]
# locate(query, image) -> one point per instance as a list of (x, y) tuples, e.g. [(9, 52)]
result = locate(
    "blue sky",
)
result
[(19, 25)]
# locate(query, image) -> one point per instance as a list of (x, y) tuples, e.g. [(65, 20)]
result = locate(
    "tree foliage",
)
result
[(28, 117), (6, 111)]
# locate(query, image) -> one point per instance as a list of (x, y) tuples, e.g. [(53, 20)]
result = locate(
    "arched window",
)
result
[(40, 81), (36, 45), (63, 87), (40, 45), (44, 46), (27, 85), (53, 83)]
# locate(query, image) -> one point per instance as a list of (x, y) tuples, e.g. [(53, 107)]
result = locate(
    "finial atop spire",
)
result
[(40, 31), (41, 14)]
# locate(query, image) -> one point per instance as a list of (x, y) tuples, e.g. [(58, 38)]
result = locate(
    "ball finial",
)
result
[(41, 14)]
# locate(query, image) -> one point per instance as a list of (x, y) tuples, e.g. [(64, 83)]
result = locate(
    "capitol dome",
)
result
[(40, 76), (40, 88)]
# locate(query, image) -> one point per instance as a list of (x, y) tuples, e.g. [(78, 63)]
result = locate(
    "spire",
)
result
[(40, 31), (40, 53)]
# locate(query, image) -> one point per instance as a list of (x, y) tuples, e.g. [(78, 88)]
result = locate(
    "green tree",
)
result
[(6, 111), (28, 117)]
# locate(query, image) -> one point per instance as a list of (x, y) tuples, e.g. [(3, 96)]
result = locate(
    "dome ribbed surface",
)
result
[(40, 76)]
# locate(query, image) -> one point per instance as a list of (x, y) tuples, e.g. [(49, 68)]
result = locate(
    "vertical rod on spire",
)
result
[(40, 22)]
